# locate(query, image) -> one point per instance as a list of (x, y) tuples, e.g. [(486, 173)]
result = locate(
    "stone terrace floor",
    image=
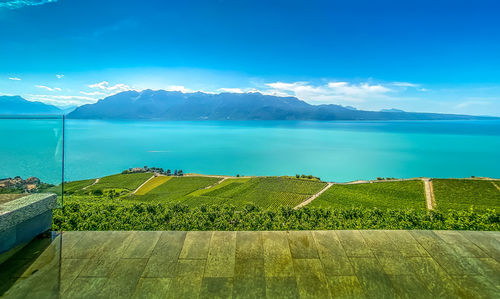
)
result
[(305, 264)]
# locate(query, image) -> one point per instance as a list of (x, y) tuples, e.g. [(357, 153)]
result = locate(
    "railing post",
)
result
[(63, 150)]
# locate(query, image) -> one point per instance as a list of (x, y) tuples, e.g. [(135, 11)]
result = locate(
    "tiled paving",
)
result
[(280, 264)]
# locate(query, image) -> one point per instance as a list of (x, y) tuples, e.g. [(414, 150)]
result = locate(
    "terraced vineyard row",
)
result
[(291, 185), (128, 182), (224, 190), (153, 183), (71, 187), (175, 189), (232, 190), (221, 185), (275, 192), (383, 195), (462, 194), (265, 192)]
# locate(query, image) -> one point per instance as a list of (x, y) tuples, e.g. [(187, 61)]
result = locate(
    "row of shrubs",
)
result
[(145, 216)]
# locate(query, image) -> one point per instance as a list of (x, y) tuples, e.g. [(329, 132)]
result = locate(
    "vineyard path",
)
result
[(95, 182), (310, 199), (137, 189)]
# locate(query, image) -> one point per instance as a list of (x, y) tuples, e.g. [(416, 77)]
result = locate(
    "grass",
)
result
[(462, 194), (383, 195), (153, 183), (175, 189)]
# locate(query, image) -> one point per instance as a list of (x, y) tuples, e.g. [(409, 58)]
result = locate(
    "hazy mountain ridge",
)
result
[(18, 105), (174, 105)]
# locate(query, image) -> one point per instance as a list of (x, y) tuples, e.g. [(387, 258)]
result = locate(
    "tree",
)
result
[(175, 172), (180, 173), (169, 173), (297, 176), (238, 175)]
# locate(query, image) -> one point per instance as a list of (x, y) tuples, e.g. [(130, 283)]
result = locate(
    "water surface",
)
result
[(334, 151)]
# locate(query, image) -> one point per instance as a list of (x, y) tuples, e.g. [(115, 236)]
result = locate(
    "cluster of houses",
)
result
[(156, 170), (18, 184)]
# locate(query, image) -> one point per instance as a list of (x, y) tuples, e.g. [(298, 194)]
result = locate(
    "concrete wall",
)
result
[(23, 219)]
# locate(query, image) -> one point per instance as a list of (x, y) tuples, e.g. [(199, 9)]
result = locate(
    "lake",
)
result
[(334, 151)]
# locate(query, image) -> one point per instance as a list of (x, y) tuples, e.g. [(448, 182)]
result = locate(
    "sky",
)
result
[(425, 56)]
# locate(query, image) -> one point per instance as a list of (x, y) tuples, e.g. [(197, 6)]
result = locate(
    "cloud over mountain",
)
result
[(331, 92)]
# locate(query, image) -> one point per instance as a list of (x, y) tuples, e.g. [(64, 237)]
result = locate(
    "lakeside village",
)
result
[(18, 185)]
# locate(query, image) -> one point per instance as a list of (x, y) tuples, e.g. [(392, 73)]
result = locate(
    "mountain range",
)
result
[(174, 105), (18, 105)]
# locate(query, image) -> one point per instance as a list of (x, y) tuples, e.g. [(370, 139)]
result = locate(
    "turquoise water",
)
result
[(334, 151)]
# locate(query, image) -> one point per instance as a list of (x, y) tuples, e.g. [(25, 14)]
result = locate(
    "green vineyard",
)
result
[(175, 189), (462, 194), (383, 195), (366, 205), (264, 192)]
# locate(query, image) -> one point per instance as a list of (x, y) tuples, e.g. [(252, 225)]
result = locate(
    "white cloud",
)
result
[(61, 97), (361, 90), (286, 86), (59, 76), (331, 92), (231, 90), (405, 84), (104, 85), (15, 79), (60, 100), (470, 104), (92, 93), (178, 88), (13, 4), (48, 88)]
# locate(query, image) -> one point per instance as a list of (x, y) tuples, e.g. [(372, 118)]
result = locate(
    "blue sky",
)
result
[(433, 56)]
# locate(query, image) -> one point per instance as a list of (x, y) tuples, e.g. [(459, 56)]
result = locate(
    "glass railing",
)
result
[(31, 155), (31, 182)]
